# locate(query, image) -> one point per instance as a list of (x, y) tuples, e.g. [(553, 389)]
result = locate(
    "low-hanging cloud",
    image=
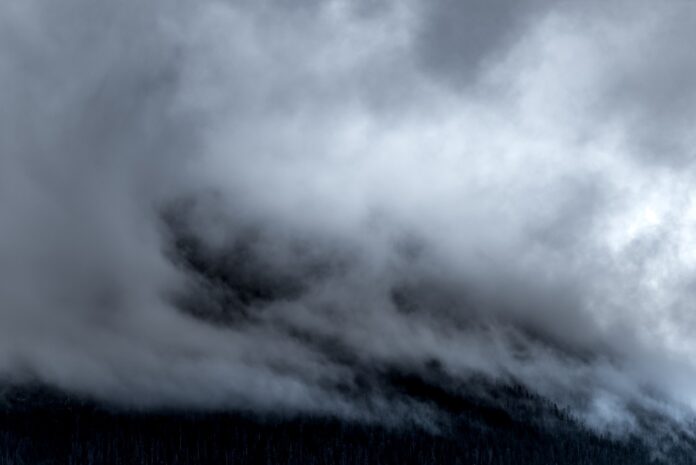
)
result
[(224, 204)]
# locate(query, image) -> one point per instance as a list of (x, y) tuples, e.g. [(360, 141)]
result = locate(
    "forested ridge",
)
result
[(509, 426)]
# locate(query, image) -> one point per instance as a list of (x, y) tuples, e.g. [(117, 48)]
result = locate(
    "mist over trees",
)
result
[(506, 426), (394, 231)]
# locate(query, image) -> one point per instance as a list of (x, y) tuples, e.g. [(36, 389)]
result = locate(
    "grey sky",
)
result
[(502, 187)]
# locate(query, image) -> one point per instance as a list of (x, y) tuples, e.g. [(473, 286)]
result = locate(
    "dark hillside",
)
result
[(501, 429)]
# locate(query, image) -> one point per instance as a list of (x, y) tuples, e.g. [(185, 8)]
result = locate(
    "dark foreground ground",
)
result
[(508, 427)]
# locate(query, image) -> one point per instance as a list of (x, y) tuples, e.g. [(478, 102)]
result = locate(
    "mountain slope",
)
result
[(503, 425)]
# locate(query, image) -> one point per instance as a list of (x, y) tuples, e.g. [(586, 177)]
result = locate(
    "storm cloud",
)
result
[(227, 204)]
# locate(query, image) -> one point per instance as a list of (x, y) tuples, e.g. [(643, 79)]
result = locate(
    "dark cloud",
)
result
[(650, 85), (456, 39)]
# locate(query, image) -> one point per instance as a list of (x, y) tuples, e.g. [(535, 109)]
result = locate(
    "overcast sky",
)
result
[(500, 187)]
